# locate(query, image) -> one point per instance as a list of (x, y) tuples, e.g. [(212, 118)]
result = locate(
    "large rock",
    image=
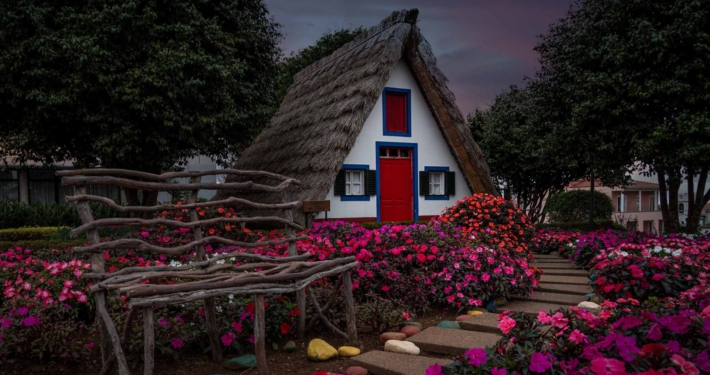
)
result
[(403, 347), (355, 370), (241, 363), (348, 351), (410, 330), (590, 306), (448, 324), (392, 336), (319, 350), (290, 347)]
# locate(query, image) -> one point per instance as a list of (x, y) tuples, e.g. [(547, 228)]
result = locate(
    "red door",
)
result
[(396, 187)]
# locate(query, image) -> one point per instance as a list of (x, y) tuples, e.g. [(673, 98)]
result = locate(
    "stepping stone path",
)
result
[(562, 285)]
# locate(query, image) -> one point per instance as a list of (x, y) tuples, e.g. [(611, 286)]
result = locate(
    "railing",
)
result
[(203, 279)]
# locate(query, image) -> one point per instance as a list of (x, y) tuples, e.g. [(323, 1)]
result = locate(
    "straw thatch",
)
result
[(327, 105)]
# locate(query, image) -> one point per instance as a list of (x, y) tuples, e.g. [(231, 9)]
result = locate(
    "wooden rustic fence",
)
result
[(205, 278)]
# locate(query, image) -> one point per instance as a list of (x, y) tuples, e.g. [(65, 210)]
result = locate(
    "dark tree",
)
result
[(633, 77), (137, 84), (326, 45)]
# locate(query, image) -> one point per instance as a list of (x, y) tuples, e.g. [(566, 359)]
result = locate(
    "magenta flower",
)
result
[(435, 369), (497, 371), (539, 363), (90, 346), (608, 366), (476, 357), (5, 323), (21, 311), (164, 322), (576, 337), (30, 321), (228, 338), (237, 326), (655, 333), (145, 234), (177, 343), (677, 324)]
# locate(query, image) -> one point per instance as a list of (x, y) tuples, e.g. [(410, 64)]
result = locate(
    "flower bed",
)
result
[(591, 244), (548, 241)]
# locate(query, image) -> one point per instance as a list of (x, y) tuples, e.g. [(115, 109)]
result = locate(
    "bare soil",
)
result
[(200, 364)]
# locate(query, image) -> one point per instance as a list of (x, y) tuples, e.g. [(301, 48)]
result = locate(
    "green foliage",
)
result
[(573, 206), (41, 214), (581, 226), (42, 244), (20, 234), (326, 45), (379, 314), (631, 78), (134, 84)]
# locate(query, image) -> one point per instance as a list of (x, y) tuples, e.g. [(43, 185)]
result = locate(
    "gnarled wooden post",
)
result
[(148, 341), (350, 308), (260, 335), (208, 303)]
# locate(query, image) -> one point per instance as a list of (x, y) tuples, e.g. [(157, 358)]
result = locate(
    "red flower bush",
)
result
[(498, 223)]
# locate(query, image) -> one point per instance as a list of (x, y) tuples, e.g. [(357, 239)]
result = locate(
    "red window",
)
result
[(396, 112)]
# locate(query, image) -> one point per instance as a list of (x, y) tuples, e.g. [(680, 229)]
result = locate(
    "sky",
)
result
[(482, 46)]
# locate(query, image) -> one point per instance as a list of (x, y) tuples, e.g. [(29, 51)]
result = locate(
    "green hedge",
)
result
[(573, 206), (40, 214), (581, 226), (41, 244), (26, 234)]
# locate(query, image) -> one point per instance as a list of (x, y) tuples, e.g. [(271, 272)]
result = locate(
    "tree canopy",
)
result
[(634, 78), (135, 84), (325, 46)]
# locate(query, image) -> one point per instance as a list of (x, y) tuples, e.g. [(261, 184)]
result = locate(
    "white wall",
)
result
[(432, 151)]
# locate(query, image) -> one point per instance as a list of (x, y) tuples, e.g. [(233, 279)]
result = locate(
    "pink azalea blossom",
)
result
[(228, 338), (176, 343), (539, 363), (506, 324), (476, 357), (608, 366)]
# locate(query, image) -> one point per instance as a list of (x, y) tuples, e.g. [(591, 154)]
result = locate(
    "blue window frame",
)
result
[(437, 197), (356, 167), (415, 175), (408, 94)]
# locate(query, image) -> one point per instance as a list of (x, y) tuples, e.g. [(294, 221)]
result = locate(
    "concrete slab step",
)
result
[(557, 298), (572, 280), (558, 272), (554, 266), (564, 288), (547, 256), (487, 322), (530, 307), (555, 260), (452, 341), (385, 363)]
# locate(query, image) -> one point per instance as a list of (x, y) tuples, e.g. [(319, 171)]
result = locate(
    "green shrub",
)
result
[(573, 206), (41, 244), (26, 234), (41, 214), (581, 226)]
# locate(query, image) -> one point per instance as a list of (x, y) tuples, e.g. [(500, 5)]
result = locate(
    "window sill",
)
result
[(397, 134), (354, 198), (436, 197)]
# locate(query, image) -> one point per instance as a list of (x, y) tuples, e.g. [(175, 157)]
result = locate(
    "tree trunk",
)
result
[(697, 199), (669, 187)]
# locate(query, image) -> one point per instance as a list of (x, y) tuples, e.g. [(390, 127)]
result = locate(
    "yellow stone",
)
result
[(319, 350), (348, 351), (474, 313)]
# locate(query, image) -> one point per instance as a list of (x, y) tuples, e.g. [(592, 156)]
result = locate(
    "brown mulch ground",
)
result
[(198, 364)]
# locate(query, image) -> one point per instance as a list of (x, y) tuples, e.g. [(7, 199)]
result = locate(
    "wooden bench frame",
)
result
[(269, 275)]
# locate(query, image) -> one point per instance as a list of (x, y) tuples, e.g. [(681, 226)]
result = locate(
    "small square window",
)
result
[(354, 182), (436, 183)]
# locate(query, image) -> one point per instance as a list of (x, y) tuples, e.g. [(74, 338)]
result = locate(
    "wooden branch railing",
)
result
[(206, 277)]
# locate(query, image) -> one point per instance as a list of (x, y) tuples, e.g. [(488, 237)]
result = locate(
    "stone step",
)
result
[(530, 307), (547, 256), (482, 323), (554, 272), (558, 298), (452, 341), (572, 280), (553, 260), (385, 363), (564, 288), (554, 266)]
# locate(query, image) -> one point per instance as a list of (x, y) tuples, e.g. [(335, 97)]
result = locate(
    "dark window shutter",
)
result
[(424, 183), (370, 182), (339, 187), (450, 183)]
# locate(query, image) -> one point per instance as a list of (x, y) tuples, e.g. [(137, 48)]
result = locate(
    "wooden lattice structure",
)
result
[(205, 278)]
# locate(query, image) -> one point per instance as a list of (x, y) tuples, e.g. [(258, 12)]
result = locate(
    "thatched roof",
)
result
[(326, 107)]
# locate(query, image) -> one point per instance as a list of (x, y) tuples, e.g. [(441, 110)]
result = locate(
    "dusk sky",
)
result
[(483, 46)]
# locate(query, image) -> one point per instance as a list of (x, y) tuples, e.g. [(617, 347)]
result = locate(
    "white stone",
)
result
[(403, 347), (589, 306)]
